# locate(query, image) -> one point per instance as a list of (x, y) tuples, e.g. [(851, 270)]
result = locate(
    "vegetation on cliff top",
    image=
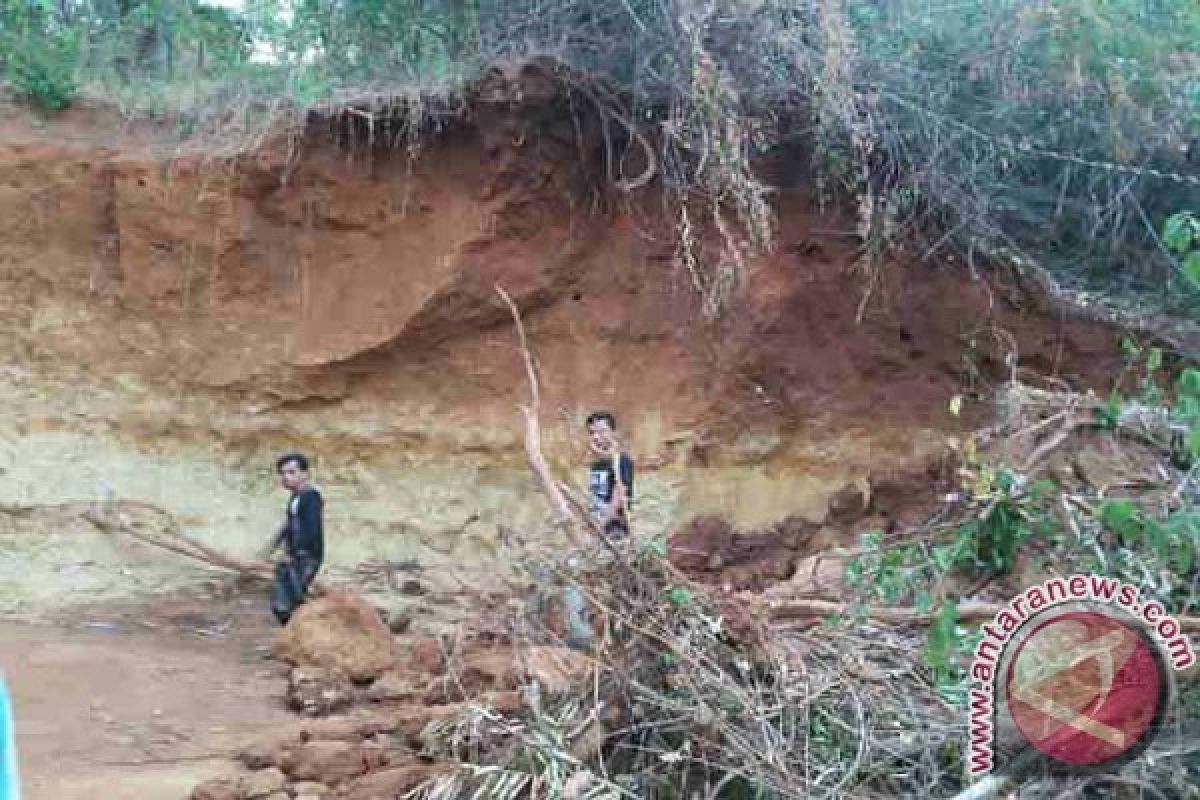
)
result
[(1065, 132)]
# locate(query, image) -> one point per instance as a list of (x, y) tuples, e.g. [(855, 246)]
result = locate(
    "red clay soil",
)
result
[(321, 270), (316, 268)]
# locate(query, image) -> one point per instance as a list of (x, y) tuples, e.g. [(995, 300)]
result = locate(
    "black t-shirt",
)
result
[(305, 532), (602, 481)]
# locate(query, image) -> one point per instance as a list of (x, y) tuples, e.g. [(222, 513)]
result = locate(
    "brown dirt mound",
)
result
[(342, 632), (373, 749)]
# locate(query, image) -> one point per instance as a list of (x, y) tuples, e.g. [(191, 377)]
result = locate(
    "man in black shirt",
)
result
[(302, 536), (610, 479), (610, 495)]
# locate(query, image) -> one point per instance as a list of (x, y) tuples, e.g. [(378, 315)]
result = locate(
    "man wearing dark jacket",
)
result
[(610, 478), (610, 496), (302, 536)]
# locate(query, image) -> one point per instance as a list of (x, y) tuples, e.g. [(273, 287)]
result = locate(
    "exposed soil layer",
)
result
[(172, 319), (712, 549), (335, 295)]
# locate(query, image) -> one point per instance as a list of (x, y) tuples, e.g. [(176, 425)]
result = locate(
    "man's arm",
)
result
[(275, 542), (622, 483)]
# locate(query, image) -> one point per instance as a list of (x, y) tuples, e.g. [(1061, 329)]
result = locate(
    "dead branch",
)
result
[(968, 612), (533, 434), (176, 542), (1044, 449)]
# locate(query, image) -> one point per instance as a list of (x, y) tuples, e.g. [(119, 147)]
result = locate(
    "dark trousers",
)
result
[(616, 528), (292, 578)]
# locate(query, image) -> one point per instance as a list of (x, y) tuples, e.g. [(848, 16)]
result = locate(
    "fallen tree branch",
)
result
[(175, 542), (533, 433), (1069, 426), (780, 611), (571, 513)]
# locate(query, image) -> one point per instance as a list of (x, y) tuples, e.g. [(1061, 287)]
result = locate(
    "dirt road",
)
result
[(140, 704)]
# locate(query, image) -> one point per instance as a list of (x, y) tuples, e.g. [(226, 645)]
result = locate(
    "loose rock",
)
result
[(317, 691), (390, 783), (262, 784), (216, 790), (339, 631), (332, 762)]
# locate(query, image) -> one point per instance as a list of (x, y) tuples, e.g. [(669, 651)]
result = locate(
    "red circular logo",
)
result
[(1085, 688)]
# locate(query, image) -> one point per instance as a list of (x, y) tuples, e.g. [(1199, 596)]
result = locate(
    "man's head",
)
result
[(602, 432), (293, 471)]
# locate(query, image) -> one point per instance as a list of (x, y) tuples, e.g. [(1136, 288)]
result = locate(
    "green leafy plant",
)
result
[(1145, 364), (994, 537), (1007, 513), (1186, 412), (944, 645), (1173, 540), (45, 72), (1181, 235), (39, 53), (679, 595)]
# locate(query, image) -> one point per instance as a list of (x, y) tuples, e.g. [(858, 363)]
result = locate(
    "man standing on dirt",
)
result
[(302, 536), (610, 479), (610, 492)]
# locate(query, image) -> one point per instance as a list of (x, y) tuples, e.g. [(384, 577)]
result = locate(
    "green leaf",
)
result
[(1184, 523), (1191, 266), (680, 595), (658, 546), (945, 556), (1154, 359), (1109, 416), (1124, 519), (1005, 479), (1156, 536), (943, 638), (1187, 408), (1043, 488), (1183, 528), (923, 601), (1189, 382), (1179, 231)]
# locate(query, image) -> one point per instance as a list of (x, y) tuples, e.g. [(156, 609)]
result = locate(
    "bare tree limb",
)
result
[(968, 612), (175, 542), (533, 434)]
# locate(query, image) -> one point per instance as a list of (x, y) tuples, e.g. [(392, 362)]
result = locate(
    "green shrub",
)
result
[(45, 75), (1181, 235)]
